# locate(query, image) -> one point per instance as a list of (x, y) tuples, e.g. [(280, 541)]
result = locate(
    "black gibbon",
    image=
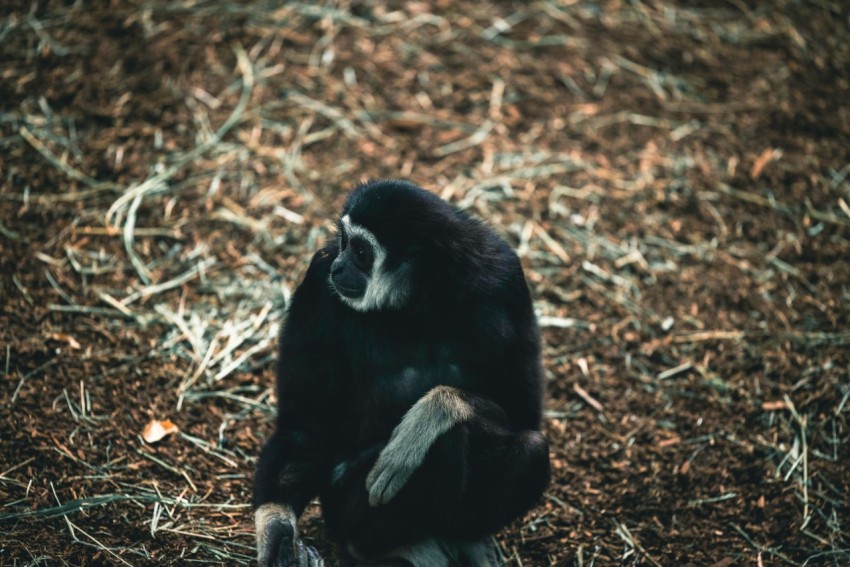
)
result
[(409, 388)]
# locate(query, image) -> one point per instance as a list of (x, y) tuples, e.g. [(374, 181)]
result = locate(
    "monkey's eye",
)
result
[(361, 254), (343, 241)]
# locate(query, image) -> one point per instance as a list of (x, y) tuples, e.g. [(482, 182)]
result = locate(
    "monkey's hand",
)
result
[(277, 539), (432, 415)]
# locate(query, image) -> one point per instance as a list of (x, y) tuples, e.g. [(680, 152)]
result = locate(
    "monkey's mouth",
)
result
[(347, 292)]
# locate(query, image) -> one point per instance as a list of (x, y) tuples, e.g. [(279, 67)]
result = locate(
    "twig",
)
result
[(474, 140), (591, 401), (23, 379), (186, 276), (624, 533), (781, 207), (670, 372), (175, 470), (762, 548), (343, 123), (700, 501), (802, 423), (75, 174), (562, 322), (702, 336), (552, 244)]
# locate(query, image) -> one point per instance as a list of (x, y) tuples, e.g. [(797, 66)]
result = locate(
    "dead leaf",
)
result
[(675, 440), (767, 156), (156, 430), (65, 338)]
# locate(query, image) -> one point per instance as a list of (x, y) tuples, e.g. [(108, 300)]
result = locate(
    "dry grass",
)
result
[(674, 177)]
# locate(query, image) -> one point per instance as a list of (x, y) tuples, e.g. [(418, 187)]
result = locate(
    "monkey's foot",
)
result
[(438, 552), (481, 553), (278, 544)]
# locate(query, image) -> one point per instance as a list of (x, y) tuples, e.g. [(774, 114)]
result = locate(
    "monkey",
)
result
[(410, 390)]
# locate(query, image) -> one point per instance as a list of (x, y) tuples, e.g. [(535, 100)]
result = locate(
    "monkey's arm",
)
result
[(293, 465), (288, 476), (442, 408)]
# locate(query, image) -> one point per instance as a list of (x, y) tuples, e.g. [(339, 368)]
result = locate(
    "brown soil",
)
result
[(674, 174)]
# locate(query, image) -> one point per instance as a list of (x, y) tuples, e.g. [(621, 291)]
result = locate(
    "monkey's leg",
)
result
[(471, 480), (437, 552), (506, 475)]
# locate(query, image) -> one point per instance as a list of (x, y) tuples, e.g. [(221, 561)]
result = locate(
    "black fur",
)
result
[(346, 379)]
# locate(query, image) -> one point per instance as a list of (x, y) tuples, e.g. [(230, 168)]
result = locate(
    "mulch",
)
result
[(675, 176)]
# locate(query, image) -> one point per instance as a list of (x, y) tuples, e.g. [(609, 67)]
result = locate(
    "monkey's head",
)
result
[(392, 244)]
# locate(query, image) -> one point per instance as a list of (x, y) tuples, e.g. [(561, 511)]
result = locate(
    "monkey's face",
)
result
[(363, 275), (353, 267)]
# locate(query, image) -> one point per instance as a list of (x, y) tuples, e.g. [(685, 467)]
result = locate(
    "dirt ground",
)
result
[(674, 174)]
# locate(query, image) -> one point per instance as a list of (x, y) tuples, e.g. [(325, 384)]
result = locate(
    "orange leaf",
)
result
[(156, 430), (65, 338), (766, 157)]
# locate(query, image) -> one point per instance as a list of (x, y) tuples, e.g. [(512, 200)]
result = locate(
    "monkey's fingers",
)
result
[(275, 544), (293, 552), (308, 556), (385, 480)]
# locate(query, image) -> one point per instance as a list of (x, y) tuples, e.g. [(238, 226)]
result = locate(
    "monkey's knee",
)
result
[(535, 470), (525, 477), (443, 477), (507, 476)]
